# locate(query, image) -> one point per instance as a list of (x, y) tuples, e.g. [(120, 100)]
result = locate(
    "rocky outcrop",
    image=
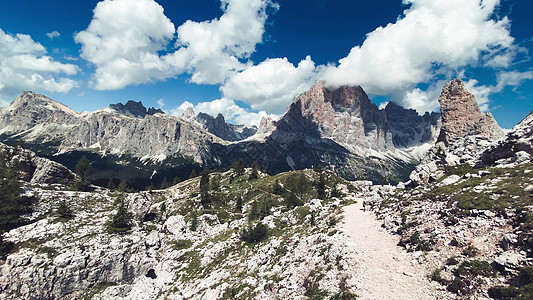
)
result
[(135, 109), (409, 129), (344, 115), (37, 170), (465, 134), (32, 110), (461, 116), (223, 130), (518, 145), (340, 129), (164, 257)]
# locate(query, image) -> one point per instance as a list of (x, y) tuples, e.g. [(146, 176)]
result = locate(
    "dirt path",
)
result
[(384, 270)]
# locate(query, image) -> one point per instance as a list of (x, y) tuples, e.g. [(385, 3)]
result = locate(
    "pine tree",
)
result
[(111, 184), (238, 167), (164, 183), (215, 183), (238, 206), (122, 186), (277, 189), (64, 211), (193, 174), (176, 180), (121, 220), (83, 170), (12, 204), (194, 222), (255, 171), (321, 187), (204, 189)]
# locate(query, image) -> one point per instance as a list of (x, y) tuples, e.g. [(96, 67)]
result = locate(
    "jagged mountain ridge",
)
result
[(337, 128)]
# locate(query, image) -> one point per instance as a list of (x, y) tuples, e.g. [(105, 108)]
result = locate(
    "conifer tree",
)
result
[(193, 174), (121, 221), (63, 210), (122, 186), (164, 183), (111, 184), (12, 204), (321, 187), (176, 180), (255, 171), (238, 167), (238, 206), (83, 170)]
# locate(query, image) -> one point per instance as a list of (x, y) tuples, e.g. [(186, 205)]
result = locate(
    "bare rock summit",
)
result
[(461, 116)]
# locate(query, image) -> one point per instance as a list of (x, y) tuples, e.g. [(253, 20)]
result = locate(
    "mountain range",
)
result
[(339, 129)]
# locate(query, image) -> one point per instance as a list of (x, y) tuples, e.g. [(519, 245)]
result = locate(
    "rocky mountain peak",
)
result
[(517, 147), (344, 115), (410, 129), (218, 126), (461, 116), (135, 108), (30, 109), (188, 114)]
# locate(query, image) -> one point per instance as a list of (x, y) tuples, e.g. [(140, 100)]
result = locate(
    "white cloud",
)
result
[(53, 34), (123, 41), (432, 35), (125, 36), (512, 78), (231, 111), (24, 65), (160, 103), (213, 49), (272, 84)]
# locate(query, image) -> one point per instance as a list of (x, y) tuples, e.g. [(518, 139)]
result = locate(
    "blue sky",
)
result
[(249, 58)]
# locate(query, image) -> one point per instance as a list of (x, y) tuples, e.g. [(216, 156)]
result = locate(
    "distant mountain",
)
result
[(135, 109), (339, 129), (223, 130), (119, 144)]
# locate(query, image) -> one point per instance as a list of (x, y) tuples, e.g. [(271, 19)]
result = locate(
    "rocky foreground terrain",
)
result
[(178, 248), (463, 220)]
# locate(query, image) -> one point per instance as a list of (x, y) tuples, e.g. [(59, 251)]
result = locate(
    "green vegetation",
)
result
[(181, 244), (238, 167), (507, 189), (522, 291), (437, 276), (255, 234), (83, 170), (98, 288), (466, 276), (12, 205), (121, 221), (416, 243), (63, 210)]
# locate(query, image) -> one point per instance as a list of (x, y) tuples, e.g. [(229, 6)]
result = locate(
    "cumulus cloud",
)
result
[(227, 107), (431, 36), (123, 40), (272, 84), (54, 34), (24, 65), (160, 103), (512, 78), (125, 37), (213, 50)]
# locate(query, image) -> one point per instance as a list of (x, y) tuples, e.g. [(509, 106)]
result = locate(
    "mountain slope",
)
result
[(179, 248)]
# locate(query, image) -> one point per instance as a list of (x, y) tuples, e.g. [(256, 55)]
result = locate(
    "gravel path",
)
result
[(384, 270)]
